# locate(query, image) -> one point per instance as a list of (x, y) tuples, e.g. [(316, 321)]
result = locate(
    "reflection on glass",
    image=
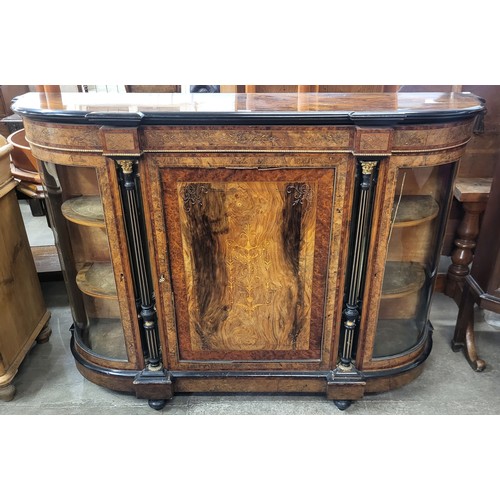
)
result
[(417, 224), (78, 223)]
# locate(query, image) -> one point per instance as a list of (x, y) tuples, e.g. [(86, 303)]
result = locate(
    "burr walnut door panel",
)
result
[(249, 255)]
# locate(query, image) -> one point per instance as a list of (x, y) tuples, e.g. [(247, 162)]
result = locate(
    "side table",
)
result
[(473, 194), (482, 285)]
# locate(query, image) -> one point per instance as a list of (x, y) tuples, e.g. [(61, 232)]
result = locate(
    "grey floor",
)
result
[(48, 382)]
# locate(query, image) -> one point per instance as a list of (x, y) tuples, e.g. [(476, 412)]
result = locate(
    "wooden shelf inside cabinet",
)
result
[(97, 280), (401, 279), (84, 210), (106, 338), (414, 209)]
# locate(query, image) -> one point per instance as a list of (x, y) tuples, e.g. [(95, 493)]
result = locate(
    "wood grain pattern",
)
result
[(24, 314), (118, 141), (407, 297), (82, 159), (63, 137), (247, 259), (115, 228), (20, 292), (248, 234), (245, 160), (246, 138), (432, 136), (373, 140), (154, 166), (46, 259)]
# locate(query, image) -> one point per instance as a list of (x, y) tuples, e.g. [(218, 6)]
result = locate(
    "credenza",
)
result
[(249, 242)]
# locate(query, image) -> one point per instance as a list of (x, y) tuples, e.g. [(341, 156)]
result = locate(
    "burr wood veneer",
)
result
[(249, 242)]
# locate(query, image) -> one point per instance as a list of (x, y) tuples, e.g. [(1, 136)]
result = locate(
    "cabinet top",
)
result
[(128, 109)]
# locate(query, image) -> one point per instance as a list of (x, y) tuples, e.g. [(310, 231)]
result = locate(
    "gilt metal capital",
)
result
[(127, 166), (367, 167)]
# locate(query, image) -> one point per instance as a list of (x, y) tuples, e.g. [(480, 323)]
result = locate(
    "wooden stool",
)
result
[(473, 194), (482, 285)]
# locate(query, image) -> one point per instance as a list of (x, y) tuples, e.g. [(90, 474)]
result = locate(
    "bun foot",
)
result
[(7, 393), (157, 404), (44, 335), (342, 404)]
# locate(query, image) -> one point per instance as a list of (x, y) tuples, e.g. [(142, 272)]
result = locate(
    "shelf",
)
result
[(84, 210), (415, 209), (401, 279), (395, 336), (97, 280), (106, 338)]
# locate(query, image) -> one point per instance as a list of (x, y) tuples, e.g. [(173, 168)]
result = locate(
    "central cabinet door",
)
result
[(249, 255)]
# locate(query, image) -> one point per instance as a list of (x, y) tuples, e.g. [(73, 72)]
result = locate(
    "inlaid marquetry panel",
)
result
[(254, 161), (249, 261), (120, 141), (432, 136), (59, 136), (373, 141), (247, 138)]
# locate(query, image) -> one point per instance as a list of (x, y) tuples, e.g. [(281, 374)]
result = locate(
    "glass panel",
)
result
[(80, 232), (417, 224)]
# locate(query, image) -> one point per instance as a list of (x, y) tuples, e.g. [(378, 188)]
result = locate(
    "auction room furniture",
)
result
[(249, 242), (482, 284), (473, 194), (472, 184), (7, 93), (24, 317), (24, 169)]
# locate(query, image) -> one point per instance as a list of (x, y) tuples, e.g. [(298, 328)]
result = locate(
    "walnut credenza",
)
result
[(249, 242)]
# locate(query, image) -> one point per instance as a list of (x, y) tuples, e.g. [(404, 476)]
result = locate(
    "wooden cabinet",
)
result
[(7, 93), (250, 242), (24, 317)]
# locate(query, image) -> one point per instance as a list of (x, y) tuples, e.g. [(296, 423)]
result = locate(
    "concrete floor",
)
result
[(48, 382)]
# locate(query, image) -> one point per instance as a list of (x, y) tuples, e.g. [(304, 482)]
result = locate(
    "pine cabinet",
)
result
[(24, 318), (249, 242)]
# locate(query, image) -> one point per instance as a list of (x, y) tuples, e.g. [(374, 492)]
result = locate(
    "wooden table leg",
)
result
[(464, 337), (462, 255)]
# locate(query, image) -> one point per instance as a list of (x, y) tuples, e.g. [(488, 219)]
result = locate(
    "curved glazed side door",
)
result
[(84, 207), (401, 275)]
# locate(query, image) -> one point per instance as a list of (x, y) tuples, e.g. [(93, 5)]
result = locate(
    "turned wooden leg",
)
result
[(464, 338), (7, 392), (462, 255), (44, 335)]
